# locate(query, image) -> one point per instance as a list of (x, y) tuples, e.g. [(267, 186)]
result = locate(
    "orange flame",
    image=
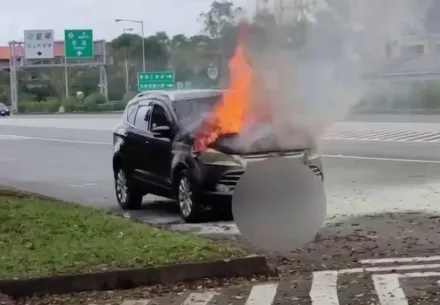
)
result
[(229, 115)]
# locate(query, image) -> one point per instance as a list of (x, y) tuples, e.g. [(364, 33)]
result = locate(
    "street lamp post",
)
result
[(143, 40)]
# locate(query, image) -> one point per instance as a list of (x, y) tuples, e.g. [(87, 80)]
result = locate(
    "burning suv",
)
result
[(154, 152)]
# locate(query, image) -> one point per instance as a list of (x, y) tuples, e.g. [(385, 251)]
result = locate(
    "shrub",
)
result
[(21, 108), (96, 97), (51, 106), (90, 105), (33, 107), (70, 104), (105, 107), (119, 105)]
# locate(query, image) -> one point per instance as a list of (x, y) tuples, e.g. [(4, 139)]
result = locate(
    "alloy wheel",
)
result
[(121, 186), (185, 197)]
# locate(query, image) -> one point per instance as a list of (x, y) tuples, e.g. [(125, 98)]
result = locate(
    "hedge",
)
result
[(96, 102)]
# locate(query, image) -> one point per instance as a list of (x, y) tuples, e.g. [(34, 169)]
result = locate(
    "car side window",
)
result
[(159, 117), (142, 119), (131, 114)]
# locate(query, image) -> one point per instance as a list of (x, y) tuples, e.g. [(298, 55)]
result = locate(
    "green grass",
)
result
[(43, 237)]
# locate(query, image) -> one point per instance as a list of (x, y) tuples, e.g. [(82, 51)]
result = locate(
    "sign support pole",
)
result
[(13, 76), (66, 77)]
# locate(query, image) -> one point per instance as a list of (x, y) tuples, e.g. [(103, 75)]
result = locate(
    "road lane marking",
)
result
[(263, 294), (57, 140), (391, 260), (388, 268), (388, 289), (201, 298), (324, 155), (381, 159), (135, 302), (324, 288)]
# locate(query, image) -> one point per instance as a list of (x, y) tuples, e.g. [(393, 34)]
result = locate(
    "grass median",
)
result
[(44, 237)]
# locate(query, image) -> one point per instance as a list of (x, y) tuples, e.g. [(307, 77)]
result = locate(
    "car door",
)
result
[(139, 142), (162, 143)]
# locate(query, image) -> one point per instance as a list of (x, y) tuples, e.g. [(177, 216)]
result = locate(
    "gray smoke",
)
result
[(315, 82)]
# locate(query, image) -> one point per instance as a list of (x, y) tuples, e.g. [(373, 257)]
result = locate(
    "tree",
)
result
[(221, 17)]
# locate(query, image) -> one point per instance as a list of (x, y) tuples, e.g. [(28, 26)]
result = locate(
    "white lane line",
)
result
[(419, 274), (201, 298), (263, 294), (324, 288), (135, 302), (388, 268), (399, 260), (388, 289), (376, 140), (58, 140), (381, 159)]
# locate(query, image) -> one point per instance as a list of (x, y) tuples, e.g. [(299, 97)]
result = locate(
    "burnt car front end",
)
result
[(223, 164)]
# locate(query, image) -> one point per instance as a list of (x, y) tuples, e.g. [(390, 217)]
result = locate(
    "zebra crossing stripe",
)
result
[(263, 294), (201, 298), (324, 288), (135, 302), (388, 289), (394, 260)]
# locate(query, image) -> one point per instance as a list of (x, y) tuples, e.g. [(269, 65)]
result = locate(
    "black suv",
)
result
[(153, 153)]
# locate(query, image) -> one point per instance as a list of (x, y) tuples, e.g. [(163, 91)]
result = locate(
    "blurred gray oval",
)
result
[(279, 204)]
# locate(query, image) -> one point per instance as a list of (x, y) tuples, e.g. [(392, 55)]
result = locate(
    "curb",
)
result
[(5, 300), (132, 278)]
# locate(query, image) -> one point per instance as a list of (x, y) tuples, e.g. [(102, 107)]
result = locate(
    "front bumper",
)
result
[(4, 113), (226, 180)]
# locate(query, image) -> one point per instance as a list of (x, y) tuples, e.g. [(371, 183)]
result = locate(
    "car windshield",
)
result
[(3, 106), (192, 113)]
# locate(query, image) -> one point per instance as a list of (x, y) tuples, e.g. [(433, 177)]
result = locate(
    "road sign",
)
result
[(38, 44), (161, 80), (212, 72), (78, 44)]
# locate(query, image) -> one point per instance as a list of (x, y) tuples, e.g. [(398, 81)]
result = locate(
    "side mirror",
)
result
[(161, 131)]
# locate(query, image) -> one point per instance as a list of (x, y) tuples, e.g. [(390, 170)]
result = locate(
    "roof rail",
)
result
[(144, 93)]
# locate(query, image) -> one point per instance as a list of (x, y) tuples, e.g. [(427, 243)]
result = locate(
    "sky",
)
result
[(172, 16)]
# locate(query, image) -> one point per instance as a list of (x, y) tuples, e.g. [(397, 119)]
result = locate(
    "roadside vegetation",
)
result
[(43, 237)]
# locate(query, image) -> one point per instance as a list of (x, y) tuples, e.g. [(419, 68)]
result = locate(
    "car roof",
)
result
[(178, 95)]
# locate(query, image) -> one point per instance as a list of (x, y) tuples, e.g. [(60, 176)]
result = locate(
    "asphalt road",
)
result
[(383, 202)]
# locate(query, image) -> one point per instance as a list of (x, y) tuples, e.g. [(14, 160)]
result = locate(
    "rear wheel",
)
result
[(128, 197), (188, 198)]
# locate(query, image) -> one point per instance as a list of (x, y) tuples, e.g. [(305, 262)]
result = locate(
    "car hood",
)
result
[(264, 139)]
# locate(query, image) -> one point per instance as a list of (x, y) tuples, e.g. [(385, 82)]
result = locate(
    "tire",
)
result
[(188, 198), (128, 197)]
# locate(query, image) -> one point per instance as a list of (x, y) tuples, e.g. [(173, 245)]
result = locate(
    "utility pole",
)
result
[(127, 75)]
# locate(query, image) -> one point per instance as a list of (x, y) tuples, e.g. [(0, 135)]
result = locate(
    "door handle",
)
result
[(146, 141)]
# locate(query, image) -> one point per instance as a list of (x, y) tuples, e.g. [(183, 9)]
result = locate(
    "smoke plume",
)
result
[(314, 65)]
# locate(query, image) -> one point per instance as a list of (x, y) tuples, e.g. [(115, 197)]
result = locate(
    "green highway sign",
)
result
[(162, 80), (78, 44)]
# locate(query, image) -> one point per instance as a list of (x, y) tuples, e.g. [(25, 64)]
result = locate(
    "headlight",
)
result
[(215, 157)]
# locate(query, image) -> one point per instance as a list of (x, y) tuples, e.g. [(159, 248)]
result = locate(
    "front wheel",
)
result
[(128, 197), (188, 198)]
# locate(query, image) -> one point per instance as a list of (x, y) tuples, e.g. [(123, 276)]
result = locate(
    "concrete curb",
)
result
[(5, 300), (131, 278)]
